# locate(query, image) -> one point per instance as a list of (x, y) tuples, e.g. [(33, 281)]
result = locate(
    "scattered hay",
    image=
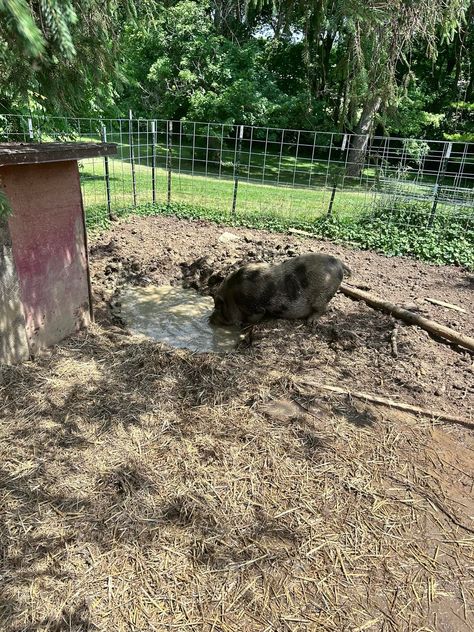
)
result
[(150, 489)]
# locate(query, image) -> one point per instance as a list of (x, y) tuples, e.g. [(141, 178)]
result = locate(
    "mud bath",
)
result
[(176, 316)]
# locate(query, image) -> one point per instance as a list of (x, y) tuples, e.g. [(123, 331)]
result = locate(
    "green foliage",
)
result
[(19, 22), (416, 149), (411, 115), (461, 113), (183, 67), (405, 66), (5, 208), (460, 137), (302, 64), (403, 229), (60, 56)]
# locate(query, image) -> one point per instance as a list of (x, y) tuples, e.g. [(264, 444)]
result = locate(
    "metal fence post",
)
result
[(153, 161), (31, 133), (281, 155), (439, 178), (336, 179), (132, 156), (238, 149), (107, 174), (169, 146)]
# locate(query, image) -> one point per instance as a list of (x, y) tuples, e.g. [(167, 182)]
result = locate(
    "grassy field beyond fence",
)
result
[(216, 193), (405, 196)]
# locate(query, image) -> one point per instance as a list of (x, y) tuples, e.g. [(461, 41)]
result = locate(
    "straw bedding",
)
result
[(149, 489)]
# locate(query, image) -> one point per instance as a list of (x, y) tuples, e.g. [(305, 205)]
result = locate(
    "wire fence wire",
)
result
[(241, 169)]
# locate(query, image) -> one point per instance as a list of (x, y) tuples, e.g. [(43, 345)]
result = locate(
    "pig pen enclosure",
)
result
[(149, 488), (401, 196), (146, 488)]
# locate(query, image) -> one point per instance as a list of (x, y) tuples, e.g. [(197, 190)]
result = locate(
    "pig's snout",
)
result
[(217, 317)]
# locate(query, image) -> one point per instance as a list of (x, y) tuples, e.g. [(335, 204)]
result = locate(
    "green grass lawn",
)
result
[(212, 192), (390, 223), (280, 190), (291, 183), (269, 195), (270, 167), (265, 163)]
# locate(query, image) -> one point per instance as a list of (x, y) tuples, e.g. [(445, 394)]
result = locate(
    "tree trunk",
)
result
[(470, 88), (356, 156), (218, 15)]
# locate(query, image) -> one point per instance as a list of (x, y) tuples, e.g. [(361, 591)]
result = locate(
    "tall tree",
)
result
[(384, 35), (354, 52), (62, 53), (184, 67)]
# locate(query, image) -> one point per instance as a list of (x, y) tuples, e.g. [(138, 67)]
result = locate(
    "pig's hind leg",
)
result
[(254, 318)]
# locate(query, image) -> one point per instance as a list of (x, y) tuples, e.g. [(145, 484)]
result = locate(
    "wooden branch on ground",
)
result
[(433, 498), (435, 301), (409, 317), (393, 341), (303, 233), (386, 402)]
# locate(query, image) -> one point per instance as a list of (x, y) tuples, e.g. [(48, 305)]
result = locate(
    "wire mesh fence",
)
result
[(239, 170)]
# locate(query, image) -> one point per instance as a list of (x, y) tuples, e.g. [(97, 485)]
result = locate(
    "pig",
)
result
[(298, 288)]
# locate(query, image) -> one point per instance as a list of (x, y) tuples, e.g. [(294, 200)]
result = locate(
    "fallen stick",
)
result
[(434, 500), (385, 401), (393, 341), (435, 301), (359, 286), (409, 317), (297, 231)]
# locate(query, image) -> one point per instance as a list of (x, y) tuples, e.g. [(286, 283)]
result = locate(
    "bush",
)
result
[(403, 229)]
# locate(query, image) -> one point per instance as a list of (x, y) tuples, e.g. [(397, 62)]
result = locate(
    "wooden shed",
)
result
[(44, 277)]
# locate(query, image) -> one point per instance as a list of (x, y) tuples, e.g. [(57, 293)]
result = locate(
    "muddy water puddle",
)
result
[(176, 316)]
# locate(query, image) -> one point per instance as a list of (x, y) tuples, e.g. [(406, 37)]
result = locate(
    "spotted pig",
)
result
[(300, 287)]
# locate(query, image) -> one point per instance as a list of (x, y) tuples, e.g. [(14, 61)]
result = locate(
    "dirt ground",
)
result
[(352, 342), (145, 488)]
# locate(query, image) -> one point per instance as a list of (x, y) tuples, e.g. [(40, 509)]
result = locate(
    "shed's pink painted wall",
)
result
[(48, 241)]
